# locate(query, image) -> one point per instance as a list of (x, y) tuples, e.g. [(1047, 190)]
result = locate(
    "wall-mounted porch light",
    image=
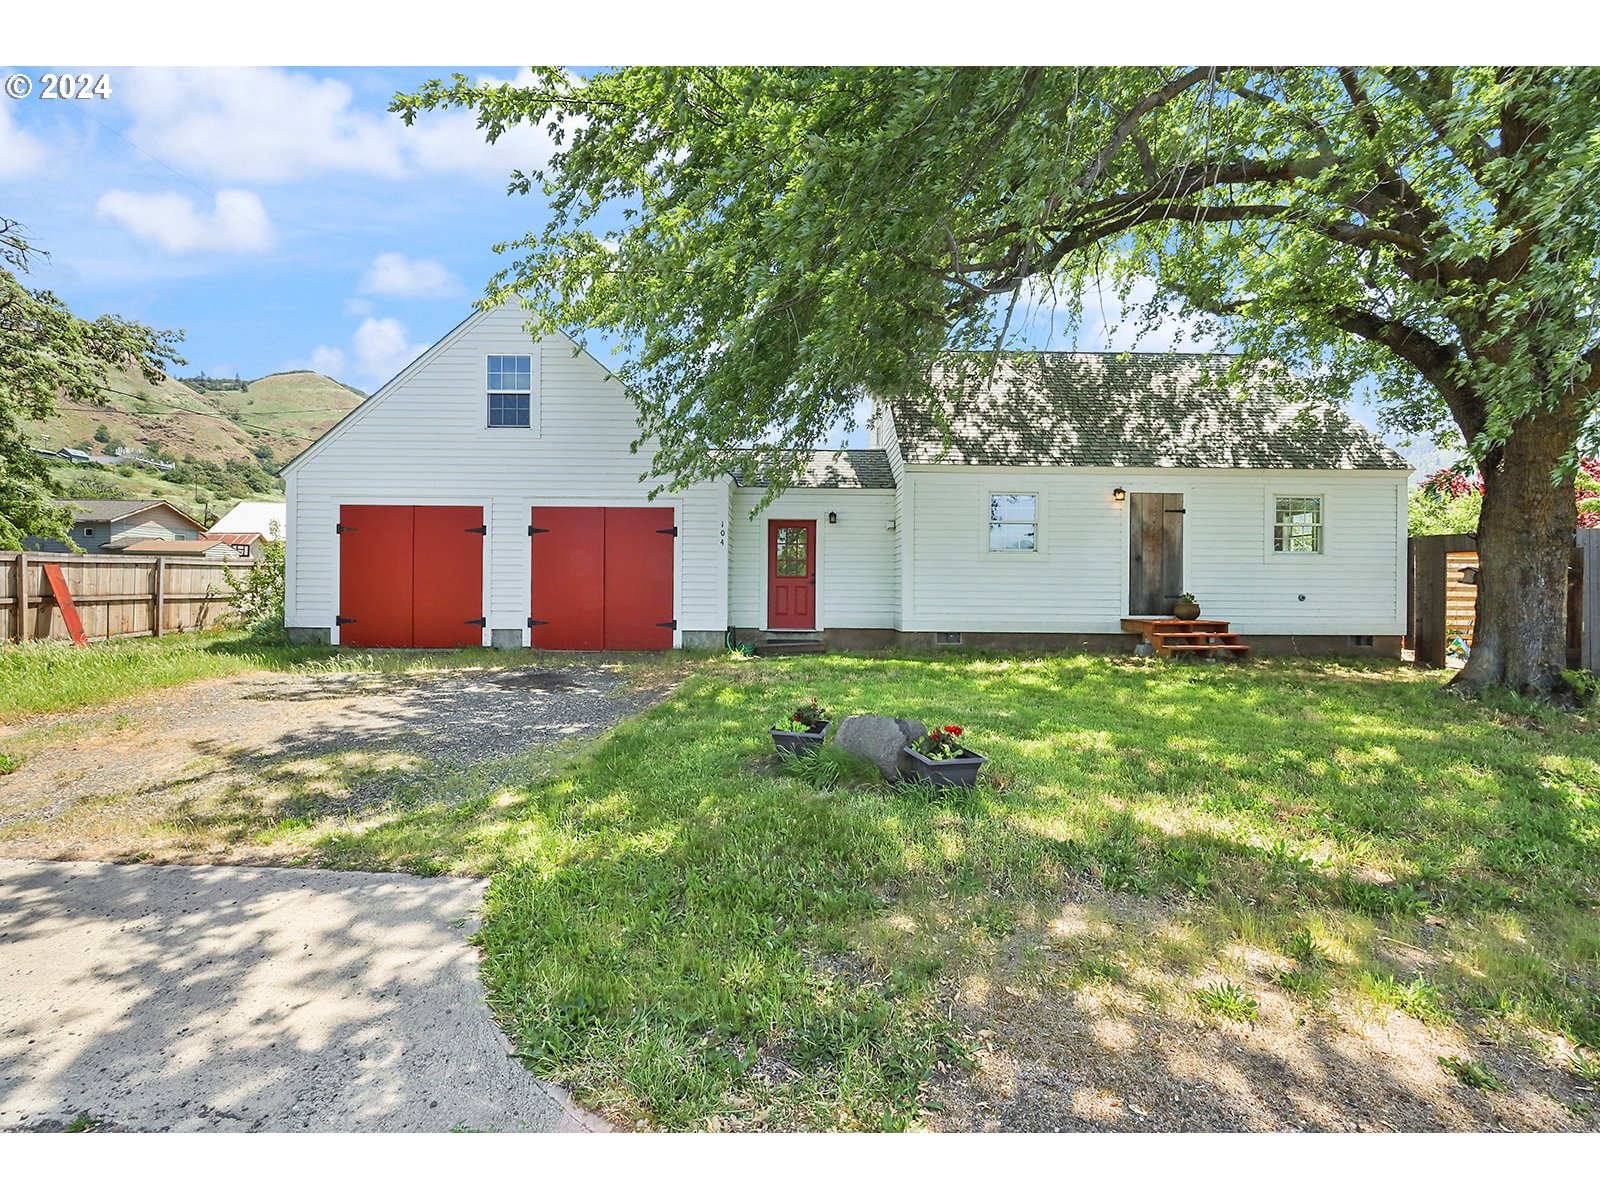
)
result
[(1119, 494), (833, 518)]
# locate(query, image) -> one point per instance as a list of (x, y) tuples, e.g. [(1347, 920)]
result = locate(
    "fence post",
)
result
[(1428, 599), (159, 618), (1589, 616), (24, 601)]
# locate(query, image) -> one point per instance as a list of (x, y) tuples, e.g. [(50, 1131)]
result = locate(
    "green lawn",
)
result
[(58, 677), (669, 912), (691, 937)]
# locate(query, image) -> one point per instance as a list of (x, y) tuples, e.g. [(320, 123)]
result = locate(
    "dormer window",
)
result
[(510, 390)]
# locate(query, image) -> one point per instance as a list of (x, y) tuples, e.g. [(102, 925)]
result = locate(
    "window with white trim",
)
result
[(1013, 521), (1297, 525), (511, 390)]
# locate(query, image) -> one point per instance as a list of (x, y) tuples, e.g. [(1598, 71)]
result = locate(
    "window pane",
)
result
[(508, 408), (1012, 536), (510, 372), (1297, 525), (792, 550), (1013, 508)]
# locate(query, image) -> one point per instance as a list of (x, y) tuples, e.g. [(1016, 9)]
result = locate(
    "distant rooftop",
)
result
[(834, 469), (115, 510)]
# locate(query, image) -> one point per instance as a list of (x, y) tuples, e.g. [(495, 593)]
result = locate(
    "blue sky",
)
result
[(283, 218)]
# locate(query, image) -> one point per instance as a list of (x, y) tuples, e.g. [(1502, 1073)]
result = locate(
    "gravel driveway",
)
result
[(228, 998), (199, 773)]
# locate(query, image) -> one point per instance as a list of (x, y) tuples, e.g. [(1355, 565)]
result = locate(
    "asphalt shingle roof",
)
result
[(1070, 409), (112, 510), (835, 469)]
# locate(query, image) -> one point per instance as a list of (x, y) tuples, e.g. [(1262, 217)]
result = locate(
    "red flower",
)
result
[(953, 730)]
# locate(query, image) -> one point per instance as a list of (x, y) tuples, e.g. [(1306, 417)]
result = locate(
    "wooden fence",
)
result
[(1442, 600), (116, 595)]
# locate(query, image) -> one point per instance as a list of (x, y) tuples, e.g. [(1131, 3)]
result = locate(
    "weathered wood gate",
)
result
[(1442, 593), (116, 595)]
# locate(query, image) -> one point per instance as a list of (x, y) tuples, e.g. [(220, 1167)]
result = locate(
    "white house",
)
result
[(488, 495), (265, 517)]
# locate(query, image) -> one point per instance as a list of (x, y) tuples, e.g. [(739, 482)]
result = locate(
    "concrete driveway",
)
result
[(235, 998)]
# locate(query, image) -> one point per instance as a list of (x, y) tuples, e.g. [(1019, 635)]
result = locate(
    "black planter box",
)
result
[(959, 772), (799, 741)]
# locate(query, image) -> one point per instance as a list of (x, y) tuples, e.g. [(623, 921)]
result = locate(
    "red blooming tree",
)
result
[(1450, 500)]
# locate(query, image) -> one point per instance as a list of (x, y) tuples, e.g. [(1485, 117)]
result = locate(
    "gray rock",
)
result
[(879, 738)]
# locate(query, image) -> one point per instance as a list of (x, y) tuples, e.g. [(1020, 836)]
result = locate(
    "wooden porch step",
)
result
[(1148, 625), (1168, 649), (772, 647)]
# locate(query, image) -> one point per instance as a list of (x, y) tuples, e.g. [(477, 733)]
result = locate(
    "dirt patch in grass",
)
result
[(275, 767)]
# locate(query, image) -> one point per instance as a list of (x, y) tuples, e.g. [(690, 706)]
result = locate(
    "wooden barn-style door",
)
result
[(1155, 552)]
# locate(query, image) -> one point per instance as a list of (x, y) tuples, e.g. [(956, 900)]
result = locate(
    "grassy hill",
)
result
[(282, 413), (202, 430)]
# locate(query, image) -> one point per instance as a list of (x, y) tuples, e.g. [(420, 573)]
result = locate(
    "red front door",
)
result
[(791, 574)]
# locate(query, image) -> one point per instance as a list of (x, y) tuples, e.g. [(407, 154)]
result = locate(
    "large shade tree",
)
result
[(50, 357), (772, 245)]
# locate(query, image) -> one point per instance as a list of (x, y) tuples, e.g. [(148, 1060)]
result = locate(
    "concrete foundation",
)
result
[(1341, 645), (307, 635), (505, 639)]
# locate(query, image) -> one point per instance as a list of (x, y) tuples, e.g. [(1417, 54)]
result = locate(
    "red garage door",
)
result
[(602, 578), (410, 575)]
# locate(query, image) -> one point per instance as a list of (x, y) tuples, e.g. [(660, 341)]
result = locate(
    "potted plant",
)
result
[(1186, 609), (803, 732), (940, 759)]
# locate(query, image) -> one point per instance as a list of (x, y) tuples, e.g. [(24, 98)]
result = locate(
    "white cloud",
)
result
[(328, 360), (20, 152), (263, 124), (237, 223), (271, 124), (382, 348), (379, 349), (394, 274)]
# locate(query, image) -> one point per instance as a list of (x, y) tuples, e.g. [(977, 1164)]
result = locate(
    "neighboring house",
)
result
[(264, 517), (246, 546), (488, 495), (205, 547), (99, 526)]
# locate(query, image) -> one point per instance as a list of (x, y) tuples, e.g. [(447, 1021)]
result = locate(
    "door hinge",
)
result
[(533, 529), (479, 621), (1177, 510), (344, 620), (673, 532), (532, 622), (343, 528), (666, 624), (480, 529)]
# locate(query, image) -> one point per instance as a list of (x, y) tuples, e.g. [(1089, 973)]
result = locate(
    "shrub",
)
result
[(258, 593)]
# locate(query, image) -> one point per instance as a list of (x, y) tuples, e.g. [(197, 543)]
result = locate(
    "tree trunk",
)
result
[(1525, 539)]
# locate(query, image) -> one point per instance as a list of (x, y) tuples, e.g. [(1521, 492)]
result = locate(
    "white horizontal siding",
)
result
[(424, 439), (887, 438), (1077, 580), (160, 524), (857, 587)]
